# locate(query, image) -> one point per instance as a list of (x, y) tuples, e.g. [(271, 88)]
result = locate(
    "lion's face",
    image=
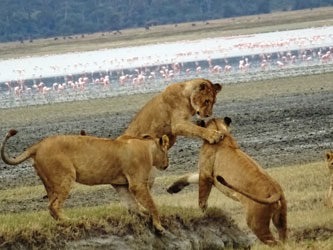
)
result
[(161, 159), (329, 160), (217, 124), (204, 97)]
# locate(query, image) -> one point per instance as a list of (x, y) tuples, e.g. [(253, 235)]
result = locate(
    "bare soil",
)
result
[(278, 122)]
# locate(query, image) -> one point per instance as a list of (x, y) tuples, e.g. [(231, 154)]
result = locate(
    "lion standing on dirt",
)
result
[(329, 195), (62, 160), (237, 175)]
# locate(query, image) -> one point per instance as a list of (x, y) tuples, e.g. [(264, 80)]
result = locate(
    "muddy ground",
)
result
[(279, 123)]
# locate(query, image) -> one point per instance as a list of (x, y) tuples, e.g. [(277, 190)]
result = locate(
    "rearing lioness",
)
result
[(169, 112), (63, 159), (234, 173), (329, 195)]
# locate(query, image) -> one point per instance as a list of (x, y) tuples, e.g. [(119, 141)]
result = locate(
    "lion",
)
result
[(236, 174), (169, 113), (329, 195), (61, 160)]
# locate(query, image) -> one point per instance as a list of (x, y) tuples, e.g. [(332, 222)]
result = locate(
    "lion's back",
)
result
[(155, 116)]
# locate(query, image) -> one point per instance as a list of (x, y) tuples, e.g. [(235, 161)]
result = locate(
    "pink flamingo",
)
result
[(227, 68), (280, 64)]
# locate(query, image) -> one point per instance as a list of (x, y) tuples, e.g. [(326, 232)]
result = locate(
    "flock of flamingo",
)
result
[(147, 75)]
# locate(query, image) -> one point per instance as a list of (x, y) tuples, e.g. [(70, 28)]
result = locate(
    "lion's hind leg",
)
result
[(58, 197), (58, 188), (280, 220), (258, 221)]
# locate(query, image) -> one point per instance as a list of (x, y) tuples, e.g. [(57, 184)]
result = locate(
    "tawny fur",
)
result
[(329, 194), (232, 171), (64, 159), (169, 112)]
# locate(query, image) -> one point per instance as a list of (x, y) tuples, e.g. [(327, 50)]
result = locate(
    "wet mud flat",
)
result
[(278, 123)]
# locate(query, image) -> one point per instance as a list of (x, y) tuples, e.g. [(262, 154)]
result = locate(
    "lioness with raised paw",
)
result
[(236, 174), (169, 113), (329, 195), (63, 159)]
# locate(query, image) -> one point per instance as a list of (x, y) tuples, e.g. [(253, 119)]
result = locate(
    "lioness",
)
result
[(63, 159), (329, 195), (234, 173), (169, 113)]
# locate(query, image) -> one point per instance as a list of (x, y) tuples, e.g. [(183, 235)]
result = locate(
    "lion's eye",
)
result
[(207, 101)]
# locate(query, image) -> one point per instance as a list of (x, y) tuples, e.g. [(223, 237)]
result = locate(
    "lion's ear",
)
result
[(202, 86), (227, 120), (164, 141), (217, 87), (328, 155)]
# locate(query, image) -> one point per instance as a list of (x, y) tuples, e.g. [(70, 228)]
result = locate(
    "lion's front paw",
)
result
[(159, 228), (215, 136)]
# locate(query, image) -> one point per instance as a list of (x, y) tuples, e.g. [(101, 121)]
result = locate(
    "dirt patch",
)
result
[(282, 122), (278, 123), (213, 230), (319, 234)]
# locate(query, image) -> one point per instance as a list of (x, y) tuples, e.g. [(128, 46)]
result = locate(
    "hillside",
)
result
[(22, 20)]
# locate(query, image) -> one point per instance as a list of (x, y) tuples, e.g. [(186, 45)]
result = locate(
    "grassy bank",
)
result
[(195, 30), (310, 222)]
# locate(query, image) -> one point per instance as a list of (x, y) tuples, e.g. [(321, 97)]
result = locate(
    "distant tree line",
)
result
[(30, 19)]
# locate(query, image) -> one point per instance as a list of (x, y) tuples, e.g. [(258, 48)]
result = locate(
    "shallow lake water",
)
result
[(109, 72)]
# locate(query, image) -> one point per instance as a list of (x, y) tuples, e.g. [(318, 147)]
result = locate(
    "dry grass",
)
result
[(310, 222), (304, 187), (168, 33)]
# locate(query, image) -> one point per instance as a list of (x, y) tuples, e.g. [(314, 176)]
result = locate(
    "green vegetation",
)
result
[(20, 20), (167, 33)]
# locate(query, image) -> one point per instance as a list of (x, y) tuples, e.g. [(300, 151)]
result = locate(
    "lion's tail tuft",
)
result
[(20, 158), (12, 132)]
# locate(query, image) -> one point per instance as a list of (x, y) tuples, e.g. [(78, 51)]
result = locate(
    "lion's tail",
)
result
[(14, 161), (270, 200), (182, 182)]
